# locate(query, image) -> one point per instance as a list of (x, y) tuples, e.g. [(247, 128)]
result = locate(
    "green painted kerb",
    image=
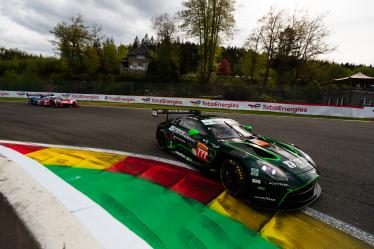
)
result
[(161, 217)]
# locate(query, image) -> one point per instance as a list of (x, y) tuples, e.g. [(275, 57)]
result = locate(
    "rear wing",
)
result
[(155, 113)]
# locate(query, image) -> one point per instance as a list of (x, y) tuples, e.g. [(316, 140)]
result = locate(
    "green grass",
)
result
[(150, 106)]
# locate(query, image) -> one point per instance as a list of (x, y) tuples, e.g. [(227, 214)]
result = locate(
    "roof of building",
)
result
[(141, 50), (359, 76)]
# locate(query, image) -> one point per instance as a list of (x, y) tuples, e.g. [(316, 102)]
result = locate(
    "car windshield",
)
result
[(226, 129)]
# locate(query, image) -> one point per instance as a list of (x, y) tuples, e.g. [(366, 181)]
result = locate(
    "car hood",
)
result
[(281, 156)]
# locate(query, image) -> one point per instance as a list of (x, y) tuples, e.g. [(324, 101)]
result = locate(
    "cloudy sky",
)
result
[(25, 24)]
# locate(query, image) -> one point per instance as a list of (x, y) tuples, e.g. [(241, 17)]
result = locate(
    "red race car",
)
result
[(57, 102)]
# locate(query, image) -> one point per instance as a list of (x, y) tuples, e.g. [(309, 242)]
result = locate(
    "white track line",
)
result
[(353, 231), (338, 224), (110, 233)]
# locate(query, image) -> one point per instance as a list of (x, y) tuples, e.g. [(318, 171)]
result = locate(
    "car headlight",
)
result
[(272, 171)]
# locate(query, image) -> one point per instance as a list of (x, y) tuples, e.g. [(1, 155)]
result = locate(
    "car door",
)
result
[(181, 140), (200, 149)]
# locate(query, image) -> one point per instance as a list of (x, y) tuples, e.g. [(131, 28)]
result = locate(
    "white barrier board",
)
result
[(306, 109)]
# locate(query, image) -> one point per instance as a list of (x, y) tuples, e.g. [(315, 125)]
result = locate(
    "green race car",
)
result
[(270, 173)]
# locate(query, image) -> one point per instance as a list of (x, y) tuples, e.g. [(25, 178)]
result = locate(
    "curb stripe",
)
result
[(160, 159), (183, 181), (160, 216), (220, 206), (107, 230)]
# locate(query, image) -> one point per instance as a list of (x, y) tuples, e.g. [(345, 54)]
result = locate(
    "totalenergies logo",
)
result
[(196, 103), (4, 94), (254, 106), (21, 94)]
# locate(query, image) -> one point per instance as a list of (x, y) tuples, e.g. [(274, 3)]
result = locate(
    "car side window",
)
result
[(193, 124)]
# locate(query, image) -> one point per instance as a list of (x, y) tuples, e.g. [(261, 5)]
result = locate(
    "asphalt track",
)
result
[(344, 150)]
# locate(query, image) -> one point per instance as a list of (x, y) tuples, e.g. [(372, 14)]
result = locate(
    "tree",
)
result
[(303, 40), (285, 60), (271, 25), (122, 51), (310, 38), (225, 67), (136, 43), (189, 57), (289, 42), (71, 40), (253, 44), (208, 20), (165, 64), (165, 27)]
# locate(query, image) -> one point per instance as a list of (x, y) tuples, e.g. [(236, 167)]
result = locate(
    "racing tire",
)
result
[(161, 139), (234, 178)]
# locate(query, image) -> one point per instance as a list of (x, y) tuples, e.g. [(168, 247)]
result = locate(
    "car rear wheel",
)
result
[(161, 139), (234, 178)]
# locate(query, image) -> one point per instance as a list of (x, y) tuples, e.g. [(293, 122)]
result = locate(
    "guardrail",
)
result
[(293, 108)]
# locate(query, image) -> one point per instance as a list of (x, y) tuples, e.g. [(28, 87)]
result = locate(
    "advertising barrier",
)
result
[(306, 109)]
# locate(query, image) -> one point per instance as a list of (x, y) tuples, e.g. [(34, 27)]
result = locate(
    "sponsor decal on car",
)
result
[(215, 146), (182, 155), (219, 121), (202, 151), (255, 172), (297, 162), (181, 133), (265, 198), (278, 184), (256, 181), (259, 142)]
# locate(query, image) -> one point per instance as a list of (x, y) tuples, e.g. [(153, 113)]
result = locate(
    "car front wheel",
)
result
[(234, 178)]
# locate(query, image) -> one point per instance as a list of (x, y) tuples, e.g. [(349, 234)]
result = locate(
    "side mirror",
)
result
[(248, 128), (193, 132)]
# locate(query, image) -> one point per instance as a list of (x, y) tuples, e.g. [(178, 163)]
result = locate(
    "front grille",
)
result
[(303, 194), (301, 197)]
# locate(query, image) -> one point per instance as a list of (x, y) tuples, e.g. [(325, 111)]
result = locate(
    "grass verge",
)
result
[(150, 106)]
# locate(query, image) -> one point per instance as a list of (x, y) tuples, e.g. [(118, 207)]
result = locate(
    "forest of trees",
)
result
[(280, 55)]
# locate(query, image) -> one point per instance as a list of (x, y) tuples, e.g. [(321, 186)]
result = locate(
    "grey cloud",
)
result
[(26, 23), (118, 18)]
